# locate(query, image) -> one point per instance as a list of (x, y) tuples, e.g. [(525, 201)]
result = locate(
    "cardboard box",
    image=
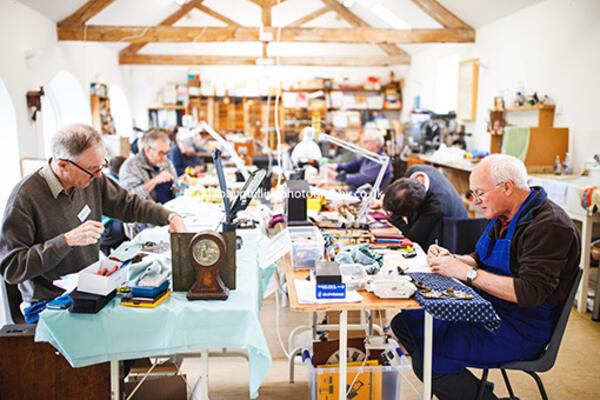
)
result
[(89, 281), (367, 385), (159, 388)]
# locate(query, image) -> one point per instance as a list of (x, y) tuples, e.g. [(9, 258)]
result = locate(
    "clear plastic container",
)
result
[(354, 276), (379, 382), (308, 246)]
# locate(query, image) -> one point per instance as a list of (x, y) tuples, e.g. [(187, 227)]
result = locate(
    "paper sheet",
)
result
[(275, 248)]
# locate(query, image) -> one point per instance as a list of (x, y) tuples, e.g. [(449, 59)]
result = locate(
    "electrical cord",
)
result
[(277, 292), (279, 156)]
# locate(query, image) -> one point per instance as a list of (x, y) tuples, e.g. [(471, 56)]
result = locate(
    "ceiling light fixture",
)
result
[(392, 19)]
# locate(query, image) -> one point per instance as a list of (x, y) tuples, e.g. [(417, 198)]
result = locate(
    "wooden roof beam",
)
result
[(444, 17), (350, 61), (216, 15), (355, 20), (86, 12), (170, 20), (266, 13), (170, 34), (309, 17)]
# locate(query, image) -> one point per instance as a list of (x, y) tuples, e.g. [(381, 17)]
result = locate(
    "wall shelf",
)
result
[(545, 141)]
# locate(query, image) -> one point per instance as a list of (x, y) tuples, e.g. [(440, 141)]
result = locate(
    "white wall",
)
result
[(25, 30), (552, 47)]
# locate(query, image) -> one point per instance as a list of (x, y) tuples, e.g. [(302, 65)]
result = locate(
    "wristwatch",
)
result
[(471, 274)]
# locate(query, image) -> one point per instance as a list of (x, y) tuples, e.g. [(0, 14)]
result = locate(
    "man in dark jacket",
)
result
[(423, 197), (524, 264)]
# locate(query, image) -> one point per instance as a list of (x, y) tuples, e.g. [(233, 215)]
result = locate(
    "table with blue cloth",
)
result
[(175, 326), (477, 309)]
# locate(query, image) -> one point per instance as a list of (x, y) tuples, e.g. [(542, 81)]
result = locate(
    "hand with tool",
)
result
[(437, 251), (162, 177), (85, 234), (449, 265)]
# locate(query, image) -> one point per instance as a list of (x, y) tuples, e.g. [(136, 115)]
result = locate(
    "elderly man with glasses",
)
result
[(524, 264), (150, 174), (52, 225)]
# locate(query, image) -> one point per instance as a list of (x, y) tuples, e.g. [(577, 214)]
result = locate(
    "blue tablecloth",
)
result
[(445, 308), (174, 326)]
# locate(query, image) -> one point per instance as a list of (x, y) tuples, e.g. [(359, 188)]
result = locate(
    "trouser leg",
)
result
[(458, 386)]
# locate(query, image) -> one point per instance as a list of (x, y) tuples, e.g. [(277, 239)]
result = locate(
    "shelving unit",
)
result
[(545, 141), (167, 116), (102, 120), (344, 108), (249, 115)]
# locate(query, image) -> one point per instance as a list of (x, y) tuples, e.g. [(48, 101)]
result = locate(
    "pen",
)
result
[(103, 271), (116, 267)]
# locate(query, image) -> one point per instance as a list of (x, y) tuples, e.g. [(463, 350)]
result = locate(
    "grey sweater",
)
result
[(136, 171), (33, 250)]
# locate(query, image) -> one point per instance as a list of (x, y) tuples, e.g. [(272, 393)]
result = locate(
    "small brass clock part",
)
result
[(207, 252)]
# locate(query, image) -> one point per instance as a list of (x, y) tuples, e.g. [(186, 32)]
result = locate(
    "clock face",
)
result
[(206, 252)]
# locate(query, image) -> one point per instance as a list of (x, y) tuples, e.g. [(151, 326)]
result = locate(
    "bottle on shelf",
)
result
[(566, 166), (557, 166)]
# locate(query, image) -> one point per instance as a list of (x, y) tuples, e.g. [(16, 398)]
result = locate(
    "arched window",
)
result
[(9, 151), (120, 111), (66, 103)]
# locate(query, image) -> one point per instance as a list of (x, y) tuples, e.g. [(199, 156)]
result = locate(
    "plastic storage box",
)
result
[(90, 282), (308, 246), (373, 383)]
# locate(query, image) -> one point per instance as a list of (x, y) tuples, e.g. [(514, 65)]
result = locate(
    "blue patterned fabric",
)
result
[(445, 308)]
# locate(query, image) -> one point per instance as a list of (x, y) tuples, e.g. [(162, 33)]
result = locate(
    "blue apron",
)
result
[(163, 190), (524, 332)]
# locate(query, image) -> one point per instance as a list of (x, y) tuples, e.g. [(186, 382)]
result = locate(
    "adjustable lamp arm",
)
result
[(203, 126), (380, 159)]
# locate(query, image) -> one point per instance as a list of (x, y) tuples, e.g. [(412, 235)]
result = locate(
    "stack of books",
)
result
[(148, 293), (390, 240)]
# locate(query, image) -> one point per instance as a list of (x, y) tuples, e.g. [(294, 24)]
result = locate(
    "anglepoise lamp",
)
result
[(380, 159), (203, 126)]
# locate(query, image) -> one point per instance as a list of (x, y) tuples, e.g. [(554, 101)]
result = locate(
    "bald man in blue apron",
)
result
[(524, 264)]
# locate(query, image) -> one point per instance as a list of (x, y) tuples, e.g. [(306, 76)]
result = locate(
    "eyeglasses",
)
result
[(476, 196), (161, 153), (93, 174)]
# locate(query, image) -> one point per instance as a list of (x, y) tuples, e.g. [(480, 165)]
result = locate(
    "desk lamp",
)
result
[(203, 126), (380, 159)]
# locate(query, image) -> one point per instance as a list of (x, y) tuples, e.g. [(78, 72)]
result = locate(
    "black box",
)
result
[(87, 303), (295, 202)]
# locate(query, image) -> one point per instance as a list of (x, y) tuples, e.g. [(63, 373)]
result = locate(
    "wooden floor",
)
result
[(576, 374)]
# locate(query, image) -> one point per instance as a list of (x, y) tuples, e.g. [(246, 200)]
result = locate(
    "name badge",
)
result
[(84, 213)]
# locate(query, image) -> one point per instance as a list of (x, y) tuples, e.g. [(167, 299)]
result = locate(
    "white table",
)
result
[(369, 302)]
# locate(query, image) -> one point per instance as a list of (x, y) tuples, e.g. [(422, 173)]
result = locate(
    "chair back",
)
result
[(11, 301), (460, 235), (546, 359)]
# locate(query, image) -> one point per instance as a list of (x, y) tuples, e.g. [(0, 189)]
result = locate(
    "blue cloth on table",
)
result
[(175, 326), (477, 309), (32, 313), (360, 254)]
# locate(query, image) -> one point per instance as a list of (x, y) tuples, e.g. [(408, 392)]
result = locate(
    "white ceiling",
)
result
[(150, 12)]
